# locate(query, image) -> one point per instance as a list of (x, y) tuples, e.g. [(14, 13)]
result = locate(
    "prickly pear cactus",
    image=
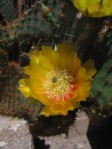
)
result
[(102, 85), (13, 9), (8, 8), (12, 101), (41, 20)]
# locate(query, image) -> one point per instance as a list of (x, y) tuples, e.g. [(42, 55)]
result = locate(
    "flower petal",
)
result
[(89, 66), (34, 57), (24, 87)]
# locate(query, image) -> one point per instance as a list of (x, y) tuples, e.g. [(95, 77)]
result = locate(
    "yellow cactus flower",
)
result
[(94, 8), (57, 79)]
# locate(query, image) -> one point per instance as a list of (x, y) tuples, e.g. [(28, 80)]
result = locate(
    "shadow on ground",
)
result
[(40, 144), (100, 133)]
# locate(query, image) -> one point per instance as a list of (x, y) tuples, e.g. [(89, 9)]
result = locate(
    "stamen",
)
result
[(58, 84)]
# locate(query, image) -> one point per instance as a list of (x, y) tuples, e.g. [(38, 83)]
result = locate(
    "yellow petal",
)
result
[(60, 108), (64, 50), (80, 76), (24, 87), (83, 91), (54, 110), (34, 57), (52, 56), (73, 64), (50, 59), (38, 93), (90, 69), (94, 8), (25, 90)]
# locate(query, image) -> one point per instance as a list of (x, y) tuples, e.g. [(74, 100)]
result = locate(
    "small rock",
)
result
[(14, 133)]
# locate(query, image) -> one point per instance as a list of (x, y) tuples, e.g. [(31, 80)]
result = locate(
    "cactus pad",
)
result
[(102, 85)]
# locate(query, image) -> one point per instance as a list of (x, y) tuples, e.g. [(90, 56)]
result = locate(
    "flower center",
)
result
[(58, 85)]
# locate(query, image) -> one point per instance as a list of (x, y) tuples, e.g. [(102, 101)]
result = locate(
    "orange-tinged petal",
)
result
[(55, 110), (82, 92), (37, 92), (80, 76), (59, 109)]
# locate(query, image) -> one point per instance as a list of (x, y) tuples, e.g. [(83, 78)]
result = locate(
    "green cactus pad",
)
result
[(8, 9), (12, 101), (102, 85), (39, 23)]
